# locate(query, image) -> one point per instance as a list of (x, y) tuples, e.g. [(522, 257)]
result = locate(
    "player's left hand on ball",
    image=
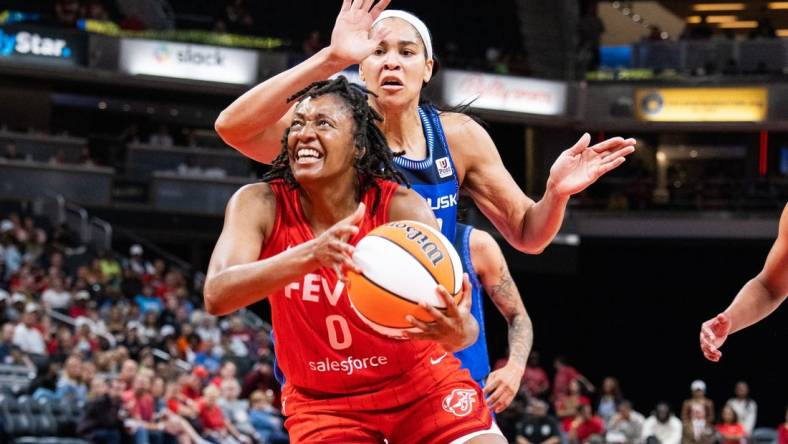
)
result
[(502, 386), (454, 327)]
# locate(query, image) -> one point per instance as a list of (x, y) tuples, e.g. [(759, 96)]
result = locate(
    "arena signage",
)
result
[(702, 104), (41, 46), (186, 61), (504, 93)]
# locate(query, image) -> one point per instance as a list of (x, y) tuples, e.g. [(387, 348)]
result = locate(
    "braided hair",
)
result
[(377, 161)]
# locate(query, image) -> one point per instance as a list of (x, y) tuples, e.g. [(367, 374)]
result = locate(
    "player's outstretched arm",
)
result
[(527, 225), (455, 329), (237, 278), (254, 123), (490, 264), (756, 300)]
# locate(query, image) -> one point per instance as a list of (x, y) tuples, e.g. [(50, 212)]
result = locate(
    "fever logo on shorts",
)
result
[(459, 402)]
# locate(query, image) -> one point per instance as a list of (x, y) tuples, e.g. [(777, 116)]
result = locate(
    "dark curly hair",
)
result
[(377, 161)]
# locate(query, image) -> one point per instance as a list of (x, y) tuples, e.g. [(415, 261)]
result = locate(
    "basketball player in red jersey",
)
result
[(287, 239), (756, 300)]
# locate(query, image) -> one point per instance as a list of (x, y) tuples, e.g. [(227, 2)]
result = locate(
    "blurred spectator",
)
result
[(699, 398), (609, 399), (662, 427), (10, 152), (626, 426), (95, 10), (56, 297), (128, 372), (161, 138), (566, 406), (80, 307), (227, 371), (70, 386), (730, 429), (146, 14), (585, 426), (10, 255), (138, 402), (538, 427), (235, 410), (745, 407), (100, 422), (266, 419), (261, 377), (85, 158), (26, 334), (217, 428), (236, 18), (697, 428), (535, 381), (137, 262), (6, 341), (564, 374), (67, 12)]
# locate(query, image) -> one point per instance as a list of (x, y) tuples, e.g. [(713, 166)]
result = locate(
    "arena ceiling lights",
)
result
[(778, 5), (710, 7)]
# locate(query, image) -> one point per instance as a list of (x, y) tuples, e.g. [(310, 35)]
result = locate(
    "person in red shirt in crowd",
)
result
[(564, 375), (535, 380), (228, 371), (80, 306), (585, 425), (567, 404), (191, 385), (782, 430), (730, 429), (212, 418), (261, 378), (139, 404)]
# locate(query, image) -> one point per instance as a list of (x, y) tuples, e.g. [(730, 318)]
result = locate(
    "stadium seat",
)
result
[(763, 435)]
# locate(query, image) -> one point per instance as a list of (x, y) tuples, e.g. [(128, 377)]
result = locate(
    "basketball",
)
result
[(402, 264)]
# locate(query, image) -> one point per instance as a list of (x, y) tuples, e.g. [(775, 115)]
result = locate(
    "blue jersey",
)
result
[(475, 357), (435, 177)]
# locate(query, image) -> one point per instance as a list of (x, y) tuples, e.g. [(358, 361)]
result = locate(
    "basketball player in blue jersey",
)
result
[(440, 151), (485, 264)]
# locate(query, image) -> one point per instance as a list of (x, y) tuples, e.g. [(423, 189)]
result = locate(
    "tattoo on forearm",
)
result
[(506, 297)]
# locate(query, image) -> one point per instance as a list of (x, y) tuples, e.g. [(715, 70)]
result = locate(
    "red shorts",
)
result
[(451, 406)]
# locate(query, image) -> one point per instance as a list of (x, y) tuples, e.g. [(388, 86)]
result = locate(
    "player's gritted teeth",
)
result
[(307, 155)]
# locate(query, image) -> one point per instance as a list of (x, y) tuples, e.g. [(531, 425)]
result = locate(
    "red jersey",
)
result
[(323, 348)]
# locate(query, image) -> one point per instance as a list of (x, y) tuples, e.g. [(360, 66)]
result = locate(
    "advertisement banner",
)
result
[(505, 93), (42, 45), (186, 61), (702, 104)]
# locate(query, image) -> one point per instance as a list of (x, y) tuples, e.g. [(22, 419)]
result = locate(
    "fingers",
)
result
[(492, 383), (443, 294), (581, 144), (366, 4), (380, 7), (610, 166), (614, 143), (345, 5), (467, 288), (356, 4), (621, 152)]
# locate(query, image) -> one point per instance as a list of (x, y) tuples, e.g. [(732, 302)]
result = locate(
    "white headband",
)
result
[(414, 21)]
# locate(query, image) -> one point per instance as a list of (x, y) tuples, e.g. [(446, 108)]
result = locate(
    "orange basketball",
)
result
[(402, 264)]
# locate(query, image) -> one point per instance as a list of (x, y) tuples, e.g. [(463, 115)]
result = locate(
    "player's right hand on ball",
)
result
[(351, 41), (332, 250), (713, 334)]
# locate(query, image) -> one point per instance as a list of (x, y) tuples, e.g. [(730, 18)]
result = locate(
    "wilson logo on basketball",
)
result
[(459, 402), (431, 249)]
